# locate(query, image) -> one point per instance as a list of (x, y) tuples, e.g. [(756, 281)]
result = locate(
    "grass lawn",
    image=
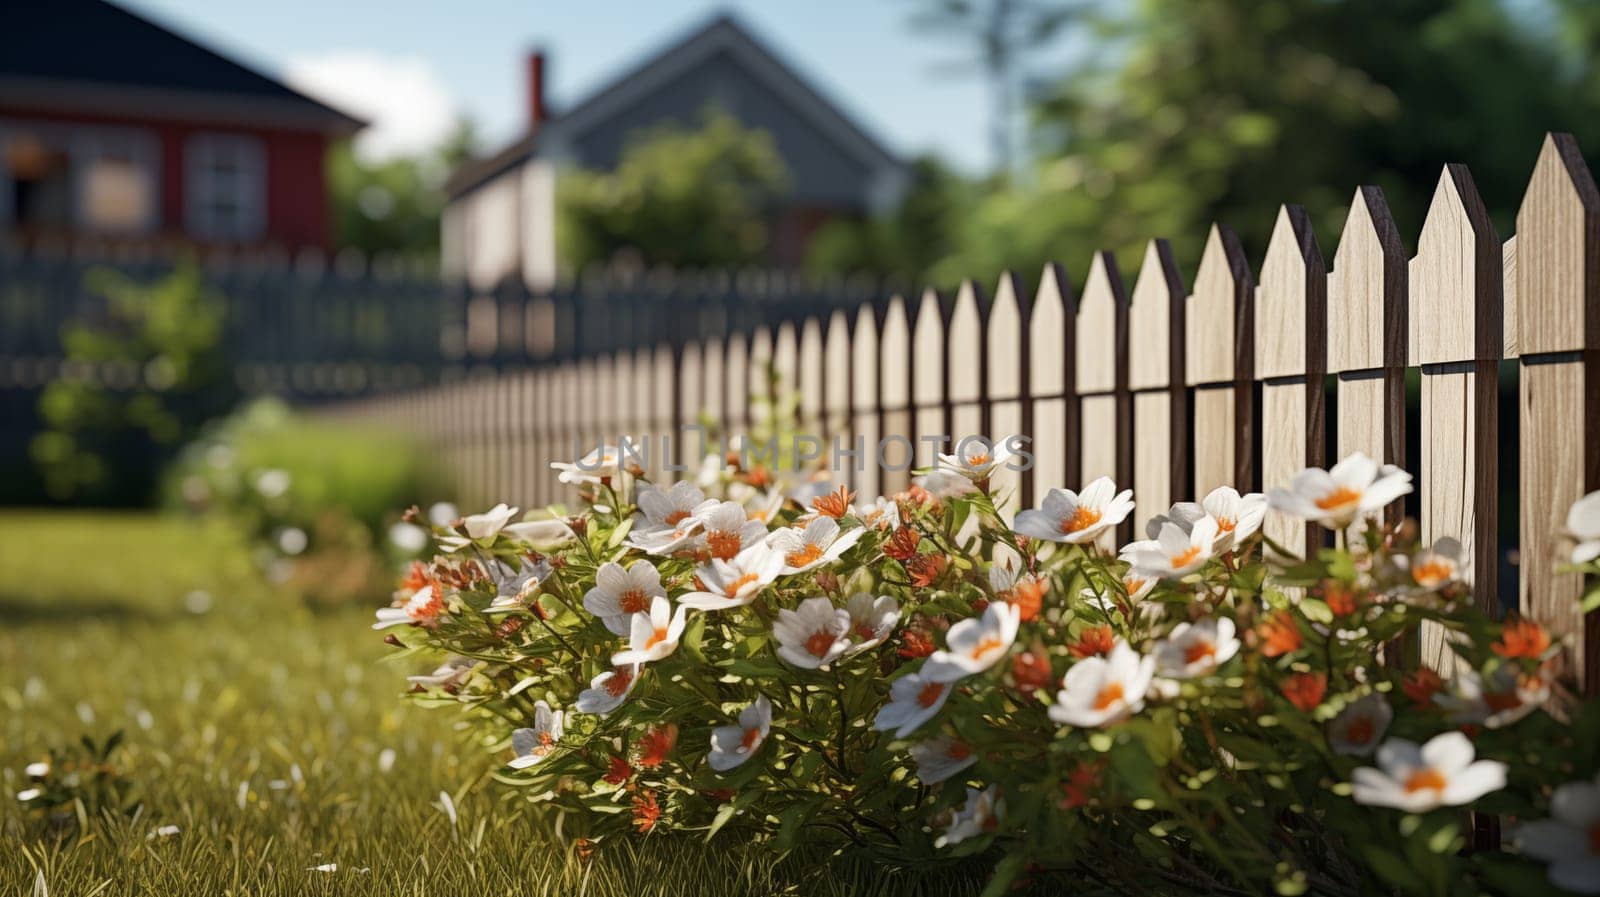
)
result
[(258, 728)]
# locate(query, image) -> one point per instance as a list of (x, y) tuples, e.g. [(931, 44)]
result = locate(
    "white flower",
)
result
[(1570, 839), (974, 644), (880, 512), (618, 594), (545, 533), (408, 537), (818, 544), (1505, 698), (732, 745), (1098, 691), (454, 671), (165, 831), (1355, 487), (813, 635), (652, 635), (441, 513), (607, 691), (667, 518), (1434, 568), (1195, 649), (1583, 523), (490, 522), (978, 815), (512, 588), (726, 529), (941, 757), (1174, 552), (38, 770), (28, 794), (913, 700), (734, 583), (1238, 516), (1360, 725), (871, 619), (1066, 516), (977, 460), (944, 484), (272, 483), (598, 465), (423, 607), (535, 744), (1441, 773)]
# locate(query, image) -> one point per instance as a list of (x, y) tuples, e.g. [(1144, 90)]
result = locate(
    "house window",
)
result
[(226, 187), (62, 178)]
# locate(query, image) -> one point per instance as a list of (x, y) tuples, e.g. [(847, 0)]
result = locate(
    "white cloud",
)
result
[(405, 102)]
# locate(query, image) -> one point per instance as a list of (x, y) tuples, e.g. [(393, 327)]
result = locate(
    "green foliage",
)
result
[(318, 497), (260, 730), (393, 205), (906, 243), (103, 444), (687, 198)]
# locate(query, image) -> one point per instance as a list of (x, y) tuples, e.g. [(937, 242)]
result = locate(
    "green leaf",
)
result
[(1005, 874)]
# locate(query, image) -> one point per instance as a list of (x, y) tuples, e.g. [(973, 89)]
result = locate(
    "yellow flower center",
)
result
[(1082, 518), (986, 646), (673, 518), (724, 545), (1433, 572), (1340, 497), (752, 737), (733, 587), (804, 556), (1186, 557), (1200, 650), (820, 643), (656, 638), (1226, 524), (1425, 779), (633, 601), (978, 460), (930, 694), (1109, 696)]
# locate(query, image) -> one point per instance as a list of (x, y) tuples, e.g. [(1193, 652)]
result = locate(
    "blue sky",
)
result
[(407, 64)]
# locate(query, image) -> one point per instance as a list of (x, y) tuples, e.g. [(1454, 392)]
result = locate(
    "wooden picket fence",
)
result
[(1241, 378)]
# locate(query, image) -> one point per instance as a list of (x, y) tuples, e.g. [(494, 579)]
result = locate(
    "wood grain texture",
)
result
[(1006, 348), (1367, 297), (1221, 316), (1099, 429), (1560, 404), (1156, 315), (1558, 322), (1047, 362), (1558, 259), (1455, 280), (1152, 456), (1101, 351), (1215, 435), (1512, 343), (966, 374), (1291, 300), (838, 374), (927, 352)]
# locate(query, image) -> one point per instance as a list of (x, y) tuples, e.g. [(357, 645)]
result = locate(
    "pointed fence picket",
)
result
[(1238, 380)]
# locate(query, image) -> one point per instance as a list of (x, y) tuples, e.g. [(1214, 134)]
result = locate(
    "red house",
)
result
[(115, 127)]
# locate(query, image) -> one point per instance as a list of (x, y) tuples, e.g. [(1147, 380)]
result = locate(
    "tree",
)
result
[(1004, 33), (687, 198), (394, 205), (1221, 109), (906, 243)]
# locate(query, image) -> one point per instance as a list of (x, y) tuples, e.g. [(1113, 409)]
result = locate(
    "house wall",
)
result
[(503, 229), (298, 209)]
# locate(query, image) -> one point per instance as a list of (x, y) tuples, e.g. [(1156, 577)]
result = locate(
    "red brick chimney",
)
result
[(537, 111)]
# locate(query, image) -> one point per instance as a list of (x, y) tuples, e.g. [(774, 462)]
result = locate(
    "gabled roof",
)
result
[(91, 56), (723, 34)]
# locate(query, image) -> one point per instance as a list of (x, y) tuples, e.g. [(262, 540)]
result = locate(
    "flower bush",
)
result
[(919, 678)]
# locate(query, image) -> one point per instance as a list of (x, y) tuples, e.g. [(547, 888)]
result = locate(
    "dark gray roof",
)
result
[(53, 47), (722, 33)]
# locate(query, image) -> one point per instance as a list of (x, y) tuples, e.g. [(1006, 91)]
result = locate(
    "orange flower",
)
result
[(645, 811), (1279, 634), (417, 576), (1522, 638), (1081, 785), (1305, 690), (835, 504), (902, 544), (619, 772), (915, 643), (1341, 599), (1096, 640), (1028, 597), (1421, 685), (656, 744), (1030, 671), (925, 569)]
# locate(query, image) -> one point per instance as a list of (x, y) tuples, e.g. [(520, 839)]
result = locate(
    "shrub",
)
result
[(318, 498), (921, 679)]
